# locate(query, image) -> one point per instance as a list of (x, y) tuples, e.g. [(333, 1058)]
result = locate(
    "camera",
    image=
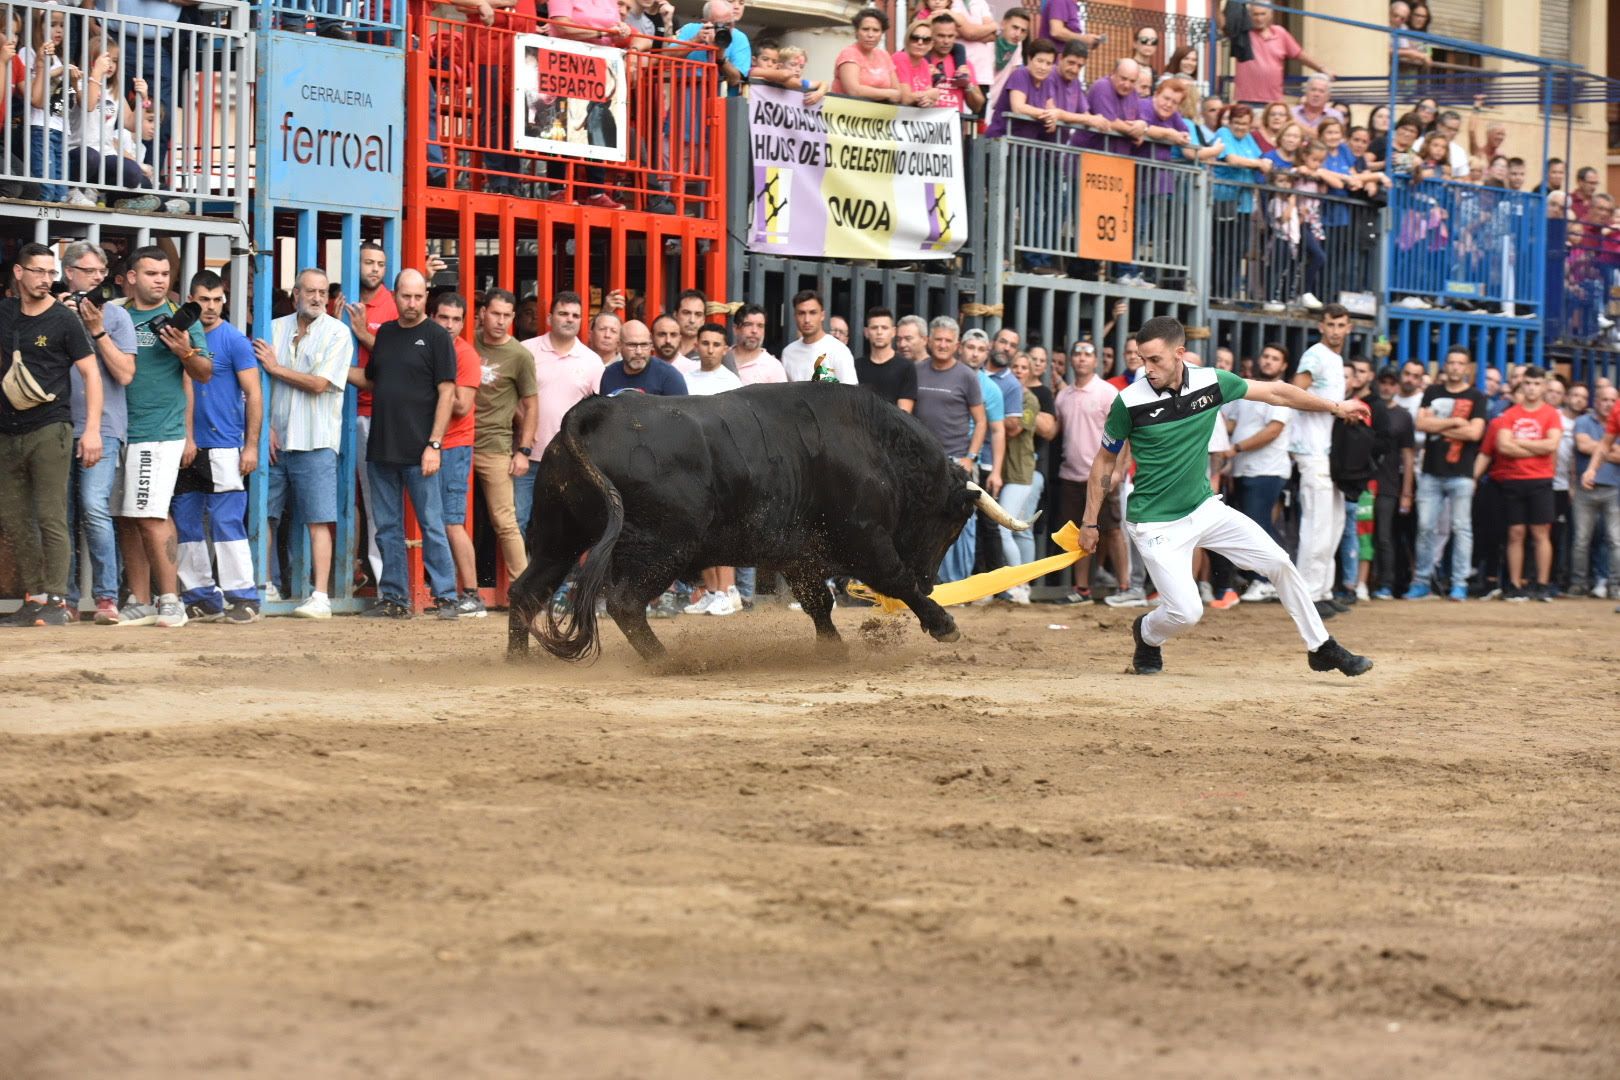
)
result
[(722, 36), (92, 297), (182, 318)]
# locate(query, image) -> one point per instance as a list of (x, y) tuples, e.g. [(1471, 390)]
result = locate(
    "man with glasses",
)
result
[(112, 335), (636, 373), (40, 343)]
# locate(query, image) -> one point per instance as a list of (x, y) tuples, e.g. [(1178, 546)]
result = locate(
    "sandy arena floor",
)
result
[(355, 850)]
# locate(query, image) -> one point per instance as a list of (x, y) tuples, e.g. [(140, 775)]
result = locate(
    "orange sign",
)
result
[(1107, 207)]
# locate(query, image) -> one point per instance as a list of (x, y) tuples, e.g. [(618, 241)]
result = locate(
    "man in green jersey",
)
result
[(1167, 415)]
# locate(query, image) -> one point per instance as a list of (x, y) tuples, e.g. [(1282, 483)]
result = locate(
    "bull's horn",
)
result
[(995, 511)]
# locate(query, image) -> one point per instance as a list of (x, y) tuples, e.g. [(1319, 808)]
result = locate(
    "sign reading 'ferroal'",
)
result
[(568, 98), (854, 179), (1107, 207), (333, 122)]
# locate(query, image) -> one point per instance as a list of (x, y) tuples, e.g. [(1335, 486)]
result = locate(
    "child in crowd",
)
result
[(53, 92)]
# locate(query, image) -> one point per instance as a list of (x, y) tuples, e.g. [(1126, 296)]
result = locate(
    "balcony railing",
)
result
[(1043, 211), (1583, 283), (1470, 243), (144, 114), (1274, 244), (673, 120), (372, 22)]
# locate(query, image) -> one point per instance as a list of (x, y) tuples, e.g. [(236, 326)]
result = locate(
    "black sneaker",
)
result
[(1147, 659), (1344, 599), (1325, 609), (447, 610), (1545, 593), (55, 612), (1338, 605), (1076, 596), (27, 615), (1335, 657), (241, 613), (1514, 594), (387, 609), (198, 613)]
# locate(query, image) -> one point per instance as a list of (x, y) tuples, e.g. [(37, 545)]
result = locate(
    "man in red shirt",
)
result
[(456, 458), (1521, 450), (1133, 366), (1260, 80)]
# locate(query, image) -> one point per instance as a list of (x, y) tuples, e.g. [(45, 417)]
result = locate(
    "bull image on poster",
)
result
[(569, 98)]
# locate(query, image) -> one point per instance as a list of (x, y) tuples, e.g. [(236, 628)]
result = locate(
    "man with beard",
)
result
[(666, 339), (637, 372), (748, 357)]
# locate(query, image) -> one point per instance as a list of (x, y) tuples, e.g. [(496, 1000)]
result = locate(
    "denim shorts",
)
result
[(455, 470), (312, 476)]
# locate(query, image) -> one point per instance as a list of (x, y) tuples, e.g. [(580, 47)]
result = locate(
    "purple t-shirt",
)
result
[(1159, 151), (1070, 97), (1105, 102), (1038, 94), (1066, 12)]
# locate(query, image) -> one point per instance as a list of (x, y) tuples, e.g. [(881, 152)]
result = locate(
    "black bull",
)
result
[(811, 479)]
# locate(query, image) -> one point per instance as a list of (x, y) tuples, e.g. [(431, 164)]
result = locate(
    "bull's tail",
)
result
[(572, 634)]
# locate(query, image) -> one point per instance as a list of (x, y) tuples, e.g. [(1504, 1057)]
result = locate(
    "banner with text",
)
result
[(853, 179), (569, 98)]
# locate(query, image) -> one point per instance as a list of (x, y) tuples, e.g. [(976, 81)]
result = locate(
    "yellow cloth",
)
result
[(996, 581)]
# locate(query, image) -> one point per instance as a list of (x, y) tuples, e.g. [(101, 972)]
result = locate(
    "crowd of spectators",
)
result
[(136, 438)]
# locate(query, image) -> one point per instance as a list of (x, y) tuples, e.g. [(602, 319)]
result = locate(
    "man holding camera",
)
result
[(112, 335), (718, 39), (222, 450), (40, 342), (169, 347)]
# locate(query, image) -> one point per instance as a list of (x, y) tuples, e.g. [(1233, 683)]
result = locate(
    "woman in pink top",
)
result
[(912, 67), (864, 70)]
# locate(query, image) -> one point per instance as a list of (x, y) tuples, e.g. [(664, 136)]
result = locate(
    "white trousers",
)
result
[(362, 434), (1167, 550), (1321, 523)]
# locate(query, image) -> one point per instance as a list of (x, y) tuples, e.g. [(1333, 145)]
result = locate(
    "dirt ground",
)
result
[(357, 850)]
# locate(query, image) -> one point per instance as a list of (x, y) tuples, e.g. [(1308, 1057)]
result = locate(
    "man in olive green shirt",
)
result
[(508, 399)]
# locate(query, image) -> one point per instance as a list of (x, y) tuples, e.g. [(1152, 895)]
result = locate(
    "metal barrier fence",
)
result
[(674, 120), (1273, 244), (1426, 335), (374, 22), (1456, 240), (145, 114), (1583, 283), (1042, 211)]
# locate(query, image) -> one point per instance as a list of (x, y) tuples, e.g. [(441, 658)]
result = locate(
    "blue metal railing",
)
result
[(1583, 282), (1273, 244), (1462, 241), (371, 22)]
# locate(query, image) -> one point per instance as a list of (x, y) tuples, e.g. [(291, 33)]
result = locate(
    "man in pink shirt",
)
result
[(565, 372), (754, 364), (1082, 410), (1260, 81)]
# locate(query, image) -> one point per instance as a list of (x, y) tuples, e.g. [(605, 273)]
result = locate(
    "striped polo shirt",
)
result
[(1169, 434), (301, 420)]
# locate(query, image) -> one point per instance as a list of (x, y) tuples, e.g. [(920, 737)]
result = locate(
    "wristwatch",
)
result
[(526, 451), (98, 337), (435, 444)]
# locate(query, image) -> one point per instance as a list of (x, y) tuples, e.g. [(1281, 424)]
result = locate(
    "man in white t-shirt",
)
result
[(1259, 453), (799, 358), (1413, 383), (1321, 504), (719, 595)]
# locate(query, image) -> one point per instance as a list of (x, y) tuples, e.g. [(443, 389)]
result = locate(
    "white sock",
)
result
[(38, 598), (317, 595)]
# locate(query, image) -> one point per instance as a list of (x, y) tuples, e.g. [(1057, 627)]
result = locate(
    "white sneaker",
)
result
[(1128, 598), (1309, 302), (81, 197), (1206, 593), (701, 607), (1019, 594), (171, 612), (1274, 306), (735, 597), (1416, 302), (270, 594), (316, 607), (1362, 593), (1260, 591), (719, 604)]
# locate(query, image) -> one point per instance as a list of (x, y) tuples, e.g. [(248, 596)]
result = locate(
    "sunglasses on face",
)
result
[(921, 39), (1147, 41)]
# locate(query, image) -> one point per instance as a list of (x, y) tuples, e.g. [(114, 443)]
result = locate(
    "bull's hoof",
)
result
[(950, 636)]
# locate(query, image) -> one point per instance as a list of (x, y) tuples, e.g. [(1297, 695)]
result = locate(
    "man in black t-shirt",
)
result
[(893, 380), (412, 379), (1452, 415), (41, 342), (1397, 480)]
